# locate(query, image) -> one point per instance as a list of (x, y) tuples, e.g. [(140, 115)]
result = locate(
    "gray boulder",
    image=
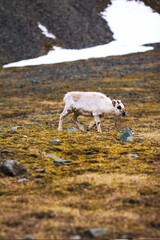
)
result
[(126, 136), (12, 168)]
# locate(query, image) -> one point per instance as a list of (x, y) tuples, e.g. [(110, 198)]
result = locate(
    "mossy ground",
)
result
[(103, 186)]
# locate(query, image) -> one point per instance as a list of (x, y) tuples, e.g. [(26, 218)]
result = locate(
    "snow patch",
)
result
[(132, 22), (68, 55), (45, 31)]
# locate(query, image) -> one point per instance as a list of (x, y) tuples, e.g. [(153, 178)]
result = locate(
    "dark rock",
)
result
[(1, 131), (12, 168), (55, 142), (96, 232), (126, 136)]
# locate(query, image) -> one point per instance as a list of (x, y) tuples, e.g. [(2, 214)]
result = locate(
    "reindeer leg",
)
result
[(75, 119), (90, 127), (65, 112), (97, 122)]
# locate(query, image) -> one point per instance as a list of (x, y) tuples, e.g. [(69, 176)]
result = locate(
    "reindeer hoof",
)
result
[(88, 128)]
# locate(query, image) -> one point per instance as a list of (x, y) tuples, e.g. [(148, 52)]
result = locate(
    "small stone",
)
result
[(144, 125), (126, 136), (50, 124), (139, 140), (71, 129), (12, 168), (1, 131), (40, 170), (38, 126), (28, 237), (61, 161), (96, 232), (101, 137), (56, 159), (22, 180), (76, 237), (55, 142), (132, 155), (13, 130), (126, 237)]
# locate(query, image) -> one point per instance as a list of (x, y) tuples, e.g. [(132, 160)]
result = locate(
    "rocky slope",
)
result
[(76, 24)]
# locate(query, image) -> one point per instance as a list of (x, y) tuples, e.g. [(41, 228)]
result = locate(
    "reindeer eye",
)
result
[(119, 107)]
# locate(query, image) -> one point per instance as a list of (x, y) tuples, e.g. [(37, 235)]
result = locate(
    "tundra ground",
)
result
[(107, 183)]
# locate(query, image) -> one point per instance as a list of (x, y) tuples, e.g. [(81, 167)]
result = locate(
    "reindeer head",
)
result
[(118, 107)]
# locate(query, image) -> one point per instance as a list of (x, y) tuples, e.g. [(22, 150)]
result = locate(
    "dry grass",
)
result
[(152, 136)]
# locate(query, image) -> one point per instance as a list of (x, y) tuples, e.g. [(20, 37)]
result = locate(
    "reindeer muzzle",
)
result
[(123, 114)]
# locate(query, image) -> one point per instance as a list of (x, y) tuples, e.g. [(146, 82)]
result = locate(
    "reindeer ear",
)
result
[(114, 102)]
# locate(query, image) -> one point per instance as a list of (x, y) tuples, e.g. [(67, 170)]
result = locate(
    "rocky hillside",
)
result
[(75, 23)]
